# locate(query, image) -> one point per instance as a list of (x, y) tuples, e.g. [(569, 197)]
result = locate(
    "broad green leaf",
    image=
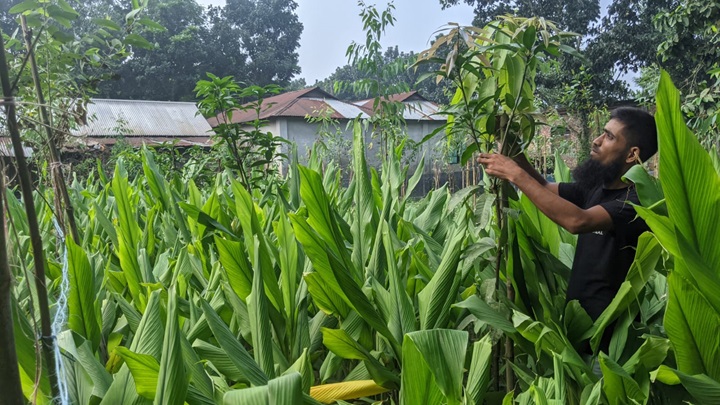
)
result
[(485, 313), (649, 190), (693, 327), (689, 180), (289, 262), (100, 377), (402, 317), (435, 300), (260, 317), (172, 382), (478, 380), (703, 388), (715, 156), (365, 213), (154, 178), (561, 171), (139, 41), (285, 389), (219, 359), (148, 340), (236, 265), (433, 364), (248, 216), (144, 369), (82, 313), (128, 235), (325, 297), (538, 395), (23, 6), (151, 24), (619, 387), (344, 346), (332, 269), (650, 355), (107, 23), (560, 385), (549, 341), (303, 366), (237, 353)]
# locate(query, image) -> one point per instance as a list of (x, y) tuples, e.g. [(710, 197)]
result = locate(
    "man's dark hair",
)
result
[(639, 130)]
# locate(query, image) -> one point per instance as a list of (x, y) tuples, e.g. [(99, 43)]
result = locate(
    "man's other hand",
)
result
[(500, 166)]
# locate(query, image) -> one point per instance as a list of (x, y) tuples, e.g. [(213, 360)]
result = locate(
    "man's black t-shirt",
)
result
[(603, 258)]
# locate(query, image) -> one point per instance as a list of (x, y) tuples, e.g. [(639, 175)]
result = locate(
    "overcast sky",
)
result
[(331, 25)]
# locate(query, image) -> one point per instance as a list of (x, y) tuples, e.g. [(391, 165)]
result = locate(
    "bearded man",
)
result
[(595, 207)]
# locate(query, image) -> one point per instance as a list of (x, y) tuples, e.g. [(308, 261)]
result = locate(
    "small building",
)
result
[(302, 116), (138, 122)]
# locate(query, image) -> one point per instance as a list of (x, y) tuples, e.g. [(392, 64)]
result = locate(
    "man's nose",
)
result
[(598, 141)]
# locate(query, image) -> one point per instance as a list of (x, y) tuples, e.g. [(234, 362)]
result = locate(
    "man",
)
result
[(595, 207)]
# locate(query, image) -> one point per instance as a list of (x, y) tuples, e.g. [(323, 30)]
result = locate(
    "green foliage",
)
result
[(575, 16), (256, 41), (397, 73), (248, 150), (495, 80), (74, 61), (378, 79), (689, 184)]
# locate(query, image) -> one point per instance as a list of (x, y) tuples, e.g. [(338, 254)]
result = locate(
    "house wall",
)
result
[(304, 134)]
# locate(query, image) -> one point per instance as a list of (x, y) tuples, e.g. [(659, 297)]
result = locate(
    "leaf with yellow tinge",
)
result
[(330, 393)]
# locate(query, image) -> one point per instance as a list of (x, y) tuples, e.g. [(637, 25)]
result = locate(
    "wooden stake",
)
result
[(61, 193), (48, 341)]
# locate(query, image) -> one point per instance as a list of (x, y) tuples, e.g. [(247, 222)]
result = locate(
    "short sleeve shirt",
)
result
[(603, 258)]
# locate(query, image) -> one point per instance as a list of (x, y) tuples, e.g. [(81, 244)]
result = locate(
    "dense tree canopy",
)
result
[(575, 16), (255, 41)]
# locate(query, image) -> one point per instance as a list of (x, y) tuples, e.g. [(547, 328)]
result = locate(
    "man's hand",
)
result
[(500, 166)]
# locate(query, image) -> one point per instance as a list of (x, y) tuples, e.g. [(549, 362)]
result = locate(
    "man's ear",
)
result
[(633, 155)]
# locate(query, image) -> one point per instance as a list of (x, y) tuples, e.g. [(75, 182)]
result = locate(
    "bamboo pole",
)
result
[(9, 373), (61, 193), (48, 341)]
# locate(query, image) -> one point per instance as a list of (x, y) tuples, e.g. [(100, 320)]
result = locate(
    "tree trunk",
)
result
[(26, 187)]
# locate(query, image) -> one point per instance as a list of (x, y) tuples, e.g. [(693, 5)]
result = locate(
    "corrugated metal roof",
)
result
[(312, 101), (137, 121), (347, 110), (6, 148), (422, 110)]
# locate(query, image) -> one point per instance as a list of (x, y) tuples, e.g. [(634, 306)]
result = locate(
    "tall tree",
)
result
[(690, 46), (255, 41), (176, 62), (269, 33), (575, 16)]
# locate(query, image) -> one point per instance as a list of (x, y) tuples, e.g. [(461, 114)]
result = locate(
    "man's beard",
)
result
[(591, 173)]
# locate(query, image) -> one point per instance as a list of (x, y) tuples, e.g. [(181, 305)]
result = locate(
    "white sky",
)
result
[(331, 25)]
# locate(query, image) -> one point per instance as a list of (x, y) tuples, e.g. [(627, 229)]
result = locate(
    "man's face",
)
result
[(611, 145), (607, 158)]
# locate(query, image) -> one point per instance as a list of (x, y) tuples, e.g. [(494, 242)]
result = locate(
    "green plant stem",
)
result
[(61, 193), (471, 125), (48, 341), (501, 204), (9, 373)]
